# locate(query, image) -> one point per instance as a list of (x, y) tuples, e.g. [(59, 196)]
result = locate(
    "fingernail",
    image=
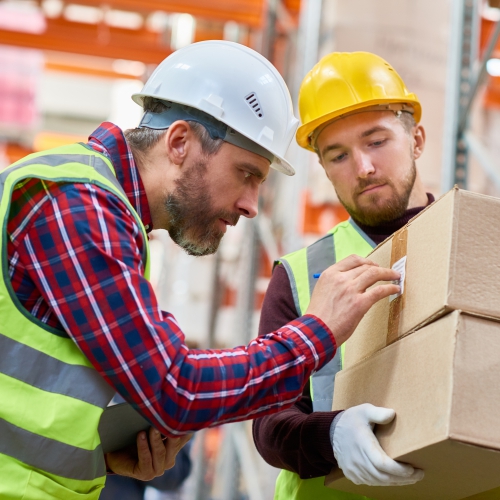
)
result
[(143, 436), (157, 432)]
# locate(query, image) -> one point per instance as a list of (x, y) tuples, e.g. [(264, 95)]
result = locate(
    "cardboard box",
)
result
[(444, 383), (452, 253)]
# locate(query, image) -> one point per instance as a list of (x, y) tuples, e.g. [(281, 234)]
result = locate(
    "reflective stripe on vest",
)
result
[(52, 397), (343, 240)]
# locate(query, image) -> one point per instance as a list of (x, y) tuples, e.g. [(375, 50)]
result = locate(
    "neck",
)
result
[(139, 159), (154, 185), (418, 196)]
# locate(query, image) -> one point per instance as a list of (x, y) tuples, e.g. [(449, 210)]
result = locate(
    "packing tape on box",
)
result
[(397, 302)]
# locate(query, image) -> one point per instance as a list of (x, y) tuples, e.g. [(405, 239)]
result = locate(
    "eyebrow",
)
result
[(325, 150), (253, 170), (366, 133), (378, 128)]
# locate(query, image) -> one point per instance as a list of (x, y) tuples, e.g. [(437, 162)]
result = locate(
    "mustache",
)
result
[(366, 183), (229, 217)]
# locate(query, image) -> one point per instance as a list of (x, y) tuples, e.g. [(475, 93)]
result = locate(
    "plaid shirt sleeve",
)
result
[(83, 252)]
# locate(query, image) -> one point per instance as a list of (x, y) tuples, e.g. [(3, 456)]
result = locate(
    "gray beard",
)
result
[(192, 218)]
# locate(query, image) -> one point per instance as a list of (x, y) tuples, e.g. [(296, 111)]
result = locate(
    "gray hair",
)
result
[(142, 139)]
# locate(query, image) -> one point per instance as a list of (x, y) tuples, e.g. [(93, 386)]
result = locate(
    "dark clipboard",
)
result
[(119, 426)]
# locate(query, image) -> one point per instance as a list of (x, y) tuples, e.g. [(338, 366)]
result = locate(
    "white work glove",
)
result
[(358, 452)]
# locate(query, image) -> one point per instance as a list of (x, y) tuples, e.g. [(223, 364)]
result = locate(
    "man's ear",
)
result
[(177, 141), (418, 141)]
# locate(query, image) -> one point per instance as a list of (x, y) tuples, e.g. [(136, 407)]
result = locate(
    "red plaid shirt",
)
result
[(74, 253)]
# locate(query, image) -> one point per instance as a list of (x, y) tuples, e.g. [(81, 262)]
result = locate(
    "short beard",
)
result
[(392, 209), (192, 219)]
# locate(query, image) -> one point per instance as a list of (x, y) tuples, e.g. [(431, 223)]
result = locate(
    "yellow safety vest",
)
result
[(343, 240), (51, 396)]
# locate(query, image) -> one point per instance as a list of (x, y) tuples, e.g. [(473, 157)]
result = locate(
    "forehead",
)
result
[(353, 126)]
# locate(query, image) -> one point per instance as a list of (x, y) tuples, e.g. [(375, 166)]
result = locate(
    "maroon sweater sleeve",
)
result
[(295, 439)]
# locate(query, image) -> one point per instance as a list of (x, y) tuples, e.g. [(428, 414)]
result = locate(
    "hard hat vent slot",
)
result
[(254, 104)]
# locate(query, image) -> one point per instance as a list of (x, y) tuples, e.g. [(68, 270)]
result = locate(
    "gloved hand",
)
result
[(358, 452)]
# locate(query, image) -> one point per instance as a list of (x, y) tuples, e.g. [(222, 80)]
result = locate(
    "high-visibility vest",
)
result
[(343, 240), (51, 396)]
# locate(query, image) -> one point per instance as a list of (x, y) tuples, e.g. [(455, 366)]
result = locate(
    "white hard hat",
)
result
[(233, 84)]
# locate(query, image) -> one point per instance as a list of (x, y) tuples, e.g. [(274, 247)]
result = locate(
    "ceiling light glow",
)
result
[(183, 26), (83, 14), (123, 19), (231, 31), (52, 8), (157, 21), (133, 68), (493, 67)]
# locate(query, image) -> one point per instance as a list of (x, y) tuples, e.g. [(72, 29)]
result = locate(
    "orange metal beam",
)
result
[(249, 12), (293, 6), (81, 69), (487, 28), (102, 40), (96, 40), (491, 96), (15, 151)]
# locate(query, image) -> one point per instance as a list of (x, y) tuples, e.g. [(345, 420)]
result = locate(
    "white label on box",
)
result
[(400, 267)]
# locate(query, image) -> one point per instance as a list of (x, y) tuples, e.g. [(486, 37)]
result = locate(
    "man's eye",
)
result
[(339, 157), (379, 143), (247, 175)]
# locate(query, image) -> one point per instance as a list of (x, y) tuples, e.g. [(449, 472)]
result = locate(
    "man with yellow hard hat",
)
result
[(359, 118)]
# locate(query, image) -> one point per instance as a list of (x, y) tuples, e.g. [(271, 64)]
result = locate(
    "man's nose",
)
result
[(364, 165), (248, 203)]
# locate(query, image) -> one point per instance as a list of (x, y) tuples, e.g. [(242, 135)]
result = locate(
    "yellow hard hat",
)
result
[(345, 82)]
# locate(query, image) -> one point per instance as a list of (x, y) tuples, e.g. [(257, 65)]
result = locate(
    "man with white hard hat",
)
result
[(79, 320), (363, 123)]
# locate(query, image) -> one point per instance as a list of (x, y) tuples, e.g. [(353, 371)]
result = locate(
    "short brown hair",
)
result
[(407, 121)]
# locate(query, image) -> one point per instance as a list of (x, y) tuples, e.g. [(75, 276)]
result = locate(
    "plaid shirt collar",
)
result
[(108, 139)]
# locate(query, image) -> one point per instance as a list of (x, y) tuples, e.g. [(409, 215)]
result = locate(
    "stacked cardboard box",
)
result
[(433, 353)]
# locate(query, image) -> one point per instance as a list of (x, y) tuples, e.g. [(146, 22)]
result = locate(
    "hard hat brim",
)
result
[(304, 131), (283, 166)]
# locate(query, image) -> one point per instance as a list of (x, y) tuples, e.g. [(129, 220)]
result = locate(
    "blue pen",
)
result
[(317, 275)]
